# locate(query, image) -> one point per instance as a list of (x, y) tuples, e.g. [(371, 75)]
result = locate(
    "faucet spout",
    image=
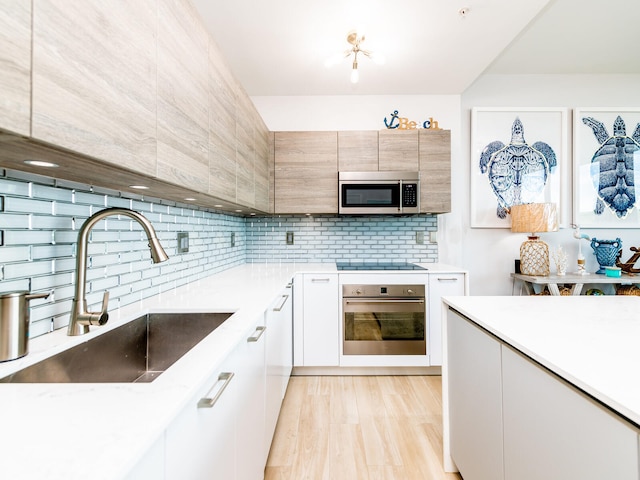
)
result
[(80, 317)]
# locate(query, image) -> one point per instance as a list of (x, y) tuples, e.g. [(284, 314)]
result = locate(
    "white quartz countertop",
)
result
[(592, 342), (99, 431)]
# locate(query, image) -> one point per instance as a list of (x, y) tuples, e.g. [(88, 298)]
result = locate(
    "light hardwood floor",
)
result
[(359, 428)]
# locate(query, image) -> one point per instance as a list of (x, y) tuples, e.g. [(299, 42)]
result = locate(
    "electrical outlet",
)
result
[(233, 239), (420, 238), (433, 237), (183, 242), (289, 238)]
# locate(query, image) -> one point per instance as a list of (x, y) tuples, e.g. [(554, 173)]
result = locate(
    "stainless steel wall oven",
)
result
[(384, 320)]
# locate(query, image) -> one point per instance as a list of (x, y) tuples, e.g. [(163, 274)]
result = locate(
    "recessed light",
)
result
[(190, 199), (238, 211), (41, 163), (139, 187), (218, 206)]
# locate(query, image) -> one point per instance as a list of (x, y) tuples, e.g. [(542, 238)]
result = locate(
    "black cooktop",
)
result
[(377, 266)]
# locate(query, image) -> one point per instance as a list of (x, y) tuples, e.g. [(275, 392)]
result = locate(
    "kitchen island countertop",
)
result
[(590, 341)]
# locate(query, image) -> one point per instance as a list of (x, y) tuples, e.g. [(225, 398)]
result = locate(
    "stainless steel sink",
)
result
[(138, 351)]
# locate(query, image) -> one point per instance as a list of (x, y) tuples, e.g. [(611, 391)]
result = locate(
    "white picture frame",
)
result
[(540, 124), (585, 145)]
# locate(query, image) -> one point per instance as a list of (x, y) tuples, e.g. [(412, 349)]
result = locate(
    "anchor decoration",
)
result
[(394, 123), (628, 266), (403, 123)]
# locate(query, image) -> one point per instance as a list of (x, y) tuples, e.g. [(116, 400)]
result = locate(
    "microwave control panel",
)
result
[(409, 195)]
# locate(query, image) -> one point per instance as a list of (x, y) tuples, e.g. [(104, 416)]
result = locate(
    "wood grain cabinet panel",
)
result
[(245, 153), (435, 171), (262, 165), (94, 79), (398, 150), (222, 127), (15, 67), (306, 172), (183, 116), (358, 151)]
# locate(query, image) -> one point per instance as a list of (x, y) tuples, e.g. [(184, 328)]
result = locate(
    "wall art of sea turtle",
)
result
[(612, 170), (518, 171)]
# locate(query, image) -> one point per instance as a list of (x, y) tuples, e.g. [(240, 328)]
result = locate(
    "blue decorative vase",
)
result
[(606, 252)]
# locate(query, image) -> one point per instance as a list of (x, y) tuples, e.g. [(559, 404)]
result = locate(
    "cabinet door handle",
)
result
[(447, 279), (258, 334), (320, 280), (284, 300), (208, 402)]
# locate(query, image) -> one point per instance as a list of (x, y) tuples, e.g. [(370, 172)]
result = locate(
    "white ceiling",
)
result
[(279, 47)]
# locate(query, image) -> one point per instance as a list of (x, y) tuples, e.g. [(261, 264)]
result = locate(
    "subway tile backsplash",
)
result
[(334, 238), (40, 219)]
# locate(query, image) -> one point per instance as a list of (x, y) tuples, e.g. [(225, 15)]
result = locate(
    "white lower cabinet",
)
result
[(440, 285), (511, 419), (553, 431), (279, 355), (220, 433), (475, 400), (317, 322), (250, 408), (201, 441)]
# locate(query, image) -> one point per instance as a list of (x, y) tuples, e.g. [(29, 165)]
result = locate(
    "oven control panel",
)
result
[(373, 291)]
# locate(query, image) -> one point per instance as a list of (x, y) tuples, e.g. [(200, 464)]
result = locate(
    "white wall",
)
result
[(488, 254)]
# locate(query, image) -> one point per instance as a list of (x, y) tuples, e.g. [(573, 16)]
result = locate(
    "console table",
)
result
[(576, 281)]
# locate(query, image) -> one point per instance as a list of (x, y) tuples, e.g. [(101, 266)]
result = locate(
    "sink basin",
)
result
[(138, 351)]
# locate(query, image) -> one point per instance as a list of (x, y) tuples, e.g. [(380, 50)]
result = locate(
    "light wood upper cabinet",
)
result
[(263, 165), (245, 152), (306, 172), (358, 151), (222, 127), (183, 115), (15, 67), (94, 79), (398, 150), (435, 171)]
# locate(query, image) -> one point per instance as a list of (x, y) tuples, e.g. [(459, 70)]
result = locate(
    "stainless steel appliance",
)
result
[(390, 193), (14, 324), (384, 320)]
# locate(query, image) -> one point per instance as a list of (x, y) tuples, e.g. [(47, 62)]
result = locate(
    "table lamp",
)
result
[(534, 218)]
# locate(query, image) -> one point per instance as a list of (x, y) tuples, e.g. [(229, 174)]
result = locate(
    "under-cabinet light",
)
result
[(41, 163)]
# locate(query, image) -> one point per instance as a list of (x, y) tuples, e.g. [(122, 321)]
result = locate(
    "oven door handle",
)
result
[(375, 300)]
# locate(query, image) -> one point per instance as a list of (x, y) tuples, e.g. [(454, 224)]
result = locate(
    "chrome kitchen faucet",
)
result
[(80, 317)]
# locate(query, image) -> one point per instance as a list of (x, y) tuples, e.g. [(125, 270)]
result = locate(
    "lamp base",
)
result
[(534, 257)]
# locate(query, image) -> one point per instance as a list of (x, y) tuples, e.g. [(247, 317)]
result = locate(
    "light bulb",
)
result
[(354, 75)]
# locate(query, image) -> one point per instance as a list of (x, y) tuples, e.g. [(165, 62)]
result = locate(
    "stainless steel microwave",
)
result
[(386, 193)]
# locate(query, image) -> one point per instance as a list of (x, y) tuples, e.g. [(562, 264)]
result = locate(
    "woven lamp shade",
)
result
[(533, 218)]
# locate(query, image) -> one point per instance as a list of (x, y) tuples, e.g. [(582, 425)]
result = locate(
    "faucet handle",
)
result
[(104, 314)]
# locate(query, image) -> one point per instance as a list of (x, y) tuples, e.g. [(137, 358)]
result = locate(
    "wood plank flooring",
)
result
[(359, 428)]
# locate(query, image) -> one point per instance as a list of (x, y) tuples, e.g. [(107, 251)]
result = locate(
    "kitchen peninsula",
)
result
[(138, 430), (541, 387)]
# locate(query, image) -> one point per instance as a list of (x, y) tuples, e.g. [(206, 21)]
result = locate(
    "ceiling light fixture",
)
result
[(355, 39)]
